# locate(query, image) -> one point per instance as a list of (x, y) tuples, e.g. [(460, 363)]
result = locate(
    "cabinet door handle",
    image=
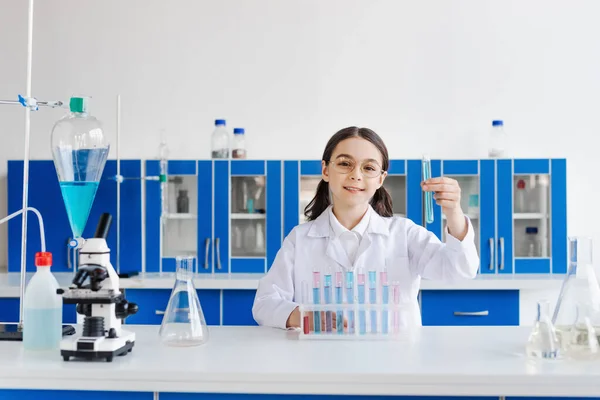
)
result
[(472, 313), (218, 252), (501, 240), (491, 254), (206, 250), (159, 312)]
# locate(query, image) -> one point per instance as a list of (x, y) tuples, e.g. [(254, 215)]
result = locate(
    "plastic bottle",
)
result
[(42, 318), (183, 202), (521, 197), (498, 140), (220, 140), (238, 147), (532, 245)]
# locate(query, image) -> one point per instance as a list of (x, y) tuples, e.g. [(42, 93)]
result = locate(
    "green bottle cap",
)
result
[(78, 104)]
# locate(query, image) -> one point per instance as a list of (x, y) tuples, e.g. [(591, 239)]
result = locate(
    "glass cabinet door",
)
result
[(395, 184), (248, 212), (179, 223), (531, 228), (254, 222)]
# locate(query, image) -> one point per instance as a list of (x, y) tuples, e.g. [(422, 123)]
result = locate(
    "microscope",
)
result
[(95, 290)]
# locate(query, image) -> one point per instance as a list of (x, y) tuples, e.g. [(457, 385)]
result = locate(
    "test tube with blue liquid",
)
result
[(362, 317), (428, 194), (339, 299), (385, 299), (317, 299), (327, 294), (350, 299), (373, 299)]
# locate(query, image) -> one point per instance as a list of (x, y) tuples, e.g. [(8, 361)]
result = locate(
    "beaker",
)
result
[(580, 287), (184, 323), (543, 341)]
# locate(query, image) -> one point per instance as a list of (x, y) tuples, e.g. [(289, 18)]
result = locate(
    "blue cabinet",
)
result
[(233, 222), (518, 211), (46, 197), (470, 307), (152, 304)]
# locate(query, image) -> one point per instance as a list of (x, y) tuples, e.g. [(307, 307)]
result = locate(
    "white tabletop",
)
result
[(469, 361), (10, 282)]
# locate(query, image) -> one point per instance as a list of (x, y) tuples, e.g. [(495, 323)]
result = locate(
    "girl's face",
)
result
[(354, 172)]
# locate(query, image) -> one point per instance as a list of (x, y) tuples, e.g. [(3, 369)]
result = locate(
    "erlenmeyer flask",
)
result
[(543, 341), (580, 287), (583, 338), (184, 323)]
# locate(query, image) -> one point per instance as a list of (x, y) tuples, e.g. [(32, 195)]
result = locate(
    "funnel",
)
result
[(79, 150)]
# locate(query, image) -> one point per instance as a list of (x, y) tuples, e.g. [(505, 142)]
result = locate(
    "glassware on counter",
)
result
[(580, 289), (220, 140), (183, 323), (582, 343), (543, 342)]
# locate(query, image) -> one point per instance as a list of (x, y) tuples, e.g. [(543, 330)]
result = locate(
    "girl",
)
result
[(356, 229)]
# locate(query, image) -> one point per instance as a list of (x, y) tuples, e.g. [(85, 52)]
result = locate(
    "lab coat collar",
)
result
[(321, 228)]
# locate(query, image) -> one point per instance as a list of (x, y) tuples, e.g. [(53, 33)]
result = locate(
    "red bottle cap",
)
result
[(43, 259), (521, 184)]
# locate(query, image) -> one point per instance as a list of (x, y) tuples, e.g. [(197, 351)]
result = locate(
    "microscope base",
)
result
[(91, 348)]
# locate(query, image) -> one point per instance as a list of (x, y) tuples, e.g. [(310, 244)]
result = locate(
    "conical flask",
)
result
[(79, 150), (580, 289), (543, 341), (184, 323)]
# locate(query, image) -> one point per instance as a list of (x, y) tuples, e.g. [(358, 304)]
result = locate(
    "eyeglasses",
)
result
[(345, 165)]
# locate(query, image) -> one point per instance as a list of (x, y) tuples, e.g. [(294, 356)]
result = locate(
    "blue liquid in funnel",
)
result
[(78, 198)]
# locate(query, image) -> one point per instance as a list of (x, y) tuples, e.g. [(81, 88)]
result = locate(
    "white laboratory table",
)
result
[(9, 282), (440, 361)]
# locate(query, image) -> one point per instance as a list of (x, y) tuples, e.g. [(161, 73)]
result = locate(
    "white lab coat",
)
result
[(408, 251)]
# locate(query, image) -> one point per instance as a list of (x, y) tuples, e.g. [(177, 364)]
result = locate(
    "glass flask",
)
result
[(543, 341), (580, 288), (79, 150), (184, 323), (583, 343)]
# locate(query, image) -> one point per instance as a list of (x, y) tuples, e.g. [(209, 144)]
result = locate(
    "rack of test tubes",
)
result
[(337, 308)]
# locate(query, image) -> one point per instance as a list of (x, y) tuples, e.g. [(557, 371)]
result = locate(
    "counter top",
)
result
[(461, 361), (9, 282)]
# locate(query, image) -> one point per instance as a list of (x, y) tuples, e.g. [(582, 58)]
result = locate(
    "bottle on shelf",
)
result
[(521, 197), (183, 202), (238, 146), (532, 244), (220, 140)]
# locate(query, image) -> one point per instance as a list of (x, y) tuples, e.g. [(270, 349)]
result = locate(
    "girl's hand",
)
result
[(447, 195), (294, 320)]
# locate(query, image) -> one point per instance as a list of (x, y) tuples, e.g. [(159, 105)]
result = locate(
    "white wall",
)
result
[(428, 76)]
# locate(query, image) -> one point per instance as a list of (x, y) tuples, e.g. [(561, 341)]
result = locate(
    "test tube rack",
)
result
[(359, 321), (353, 305)]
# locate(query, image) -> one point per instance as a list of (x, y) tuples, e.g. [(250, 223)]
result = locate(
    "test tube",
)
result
[(396, 297), (362, 316), (339, 300), (327, 295), (350, 299), (428, 194), (317, 299), (305, 300), (373, 299), (385, 299)]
